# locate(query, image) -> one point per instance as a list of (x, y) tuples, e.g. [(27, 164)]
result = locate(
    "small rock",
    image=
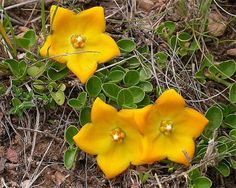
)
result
[(145, 4), (216, 24), (231, 52), (12, 155)]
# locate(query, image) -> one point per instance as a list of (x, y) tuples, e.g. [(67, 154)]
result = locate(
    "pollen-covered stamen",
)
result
[(117, 135), (166, 127), (78, 41)]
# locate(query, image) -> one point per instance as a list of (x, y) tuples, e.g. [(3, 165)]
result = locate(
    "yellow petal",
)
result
[(113, 162), (82, 65), (63, 21), (102, 112), (190, 123), (170, 103), (93, 139), (178, 149), (88, 21), (104, 47), (92, 20), (120, 155), (137, 117), (150, 153), (54, 49)]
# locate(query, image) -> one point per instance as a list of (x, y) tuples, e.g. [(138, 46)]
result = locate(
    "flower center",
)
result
[(78, 41), (166, 127), (117, 135)]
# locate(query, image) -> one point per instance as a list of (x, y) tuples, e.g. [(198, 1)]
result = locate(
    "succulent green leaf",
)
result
[(70, 132), (70, 157), (126, 45), (125, 97), (93, 86), (111, 90), (131, 78), (85, 115)]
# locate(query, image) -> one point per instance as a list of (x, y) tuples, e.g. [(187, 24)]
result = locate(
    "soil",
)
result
[(31, 152)]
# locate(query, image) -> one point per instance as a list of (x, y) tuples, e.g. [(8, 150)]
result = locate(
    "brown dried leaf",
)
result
[(12, 155), (216, 24), (58, 178)]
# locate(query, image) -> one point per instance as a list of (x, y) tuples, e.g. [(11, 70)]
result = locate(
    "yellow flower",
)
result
[(116, 142), (169, 128), (79, 40)]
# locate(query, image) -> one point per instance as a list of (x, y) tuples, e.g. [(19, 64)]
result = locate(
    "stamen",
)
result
[(166, 127), (78, 41), (117, 135)]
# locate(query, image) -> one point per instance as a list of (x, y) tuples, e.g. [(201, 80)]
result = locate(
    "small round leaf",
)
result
[(232, 93), (94, 86), (85, 116), (126, 45), (138, 93), (131, 78), (70, 157), (125, 97), (202, 182), (111, 90), (116, 76), (70, 132)]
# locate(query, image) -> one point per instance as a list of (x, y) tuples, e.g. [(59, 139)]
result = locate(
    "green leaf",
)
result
[(39, 86), (70, 157), (126, 45), (125, 97), (145, 74), (28, 39), (93, 86), (85, 115), (202, 182), (161, 59), (111, 90), (134, 62), (18, 69), (230, 120), (207, 62), (79, 102), (31, 36), (233, 163), (166, 29), (184, 37), (131, 78), (70, 132), (59, 97), (145, 101), (143, 50), (138, 93), (102, 96), (116, 76), (223, 169), (35, 71), (143, 177), (193, 174), (215, 117), (173, 42), (232, 93), (16, 102), (224, 70), (146, 86), (55, 74), (232, 134)]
